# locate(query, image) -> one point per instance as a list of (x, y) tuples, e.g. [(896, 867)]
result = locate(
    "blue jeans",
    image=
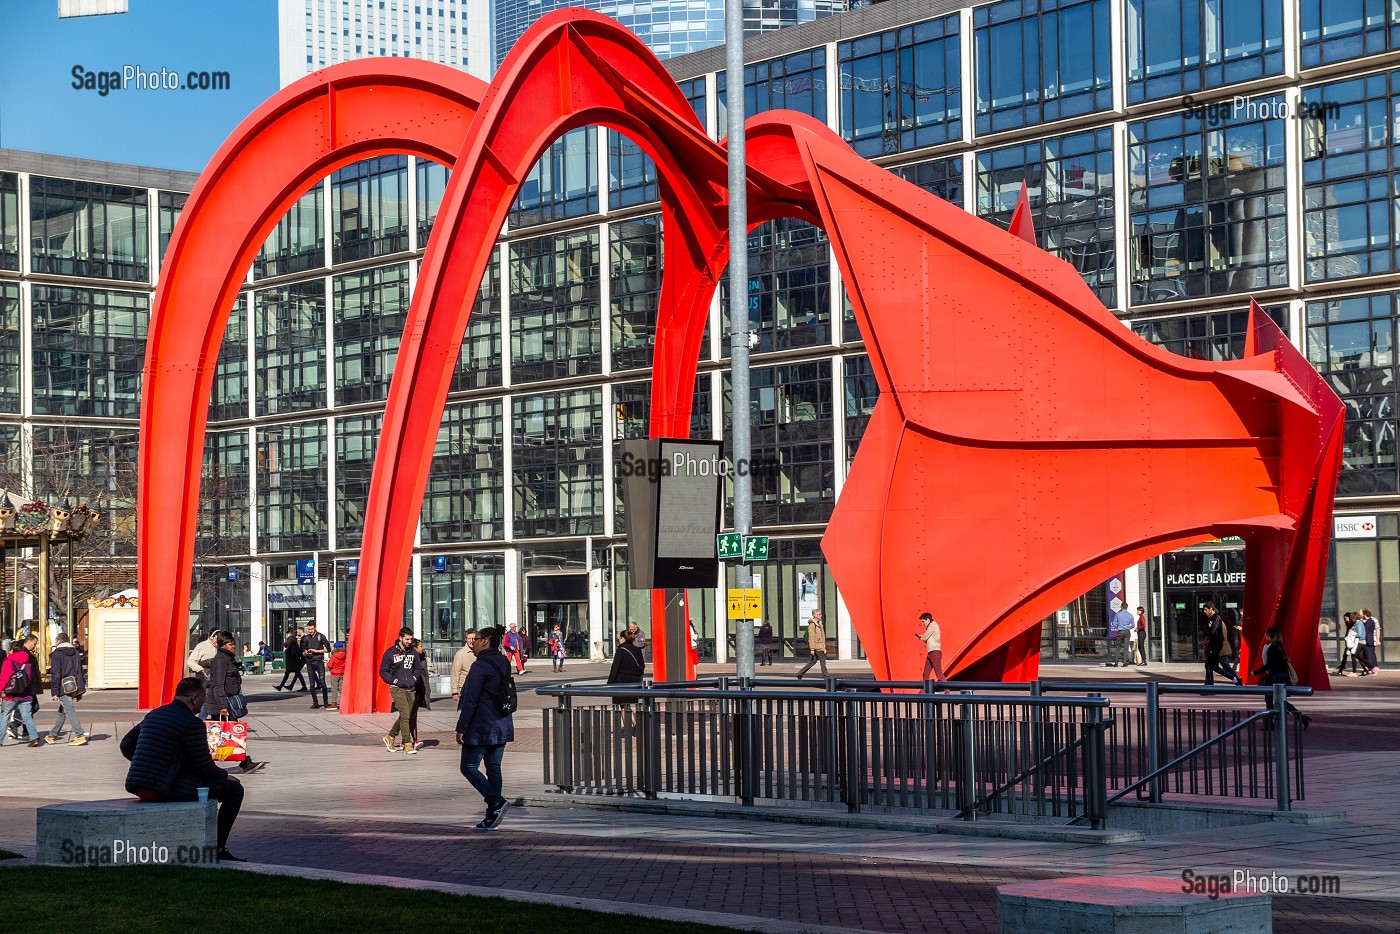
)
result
[(488, 785), (26, 715), (66, 711)]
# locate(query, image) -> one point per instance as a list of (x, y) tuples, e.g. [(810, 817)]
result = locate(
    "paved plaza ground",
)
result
[(333, 801)]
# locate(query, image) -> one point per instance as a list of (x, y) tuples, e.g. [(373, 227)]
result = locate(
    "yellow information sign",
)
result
[(745, 603)]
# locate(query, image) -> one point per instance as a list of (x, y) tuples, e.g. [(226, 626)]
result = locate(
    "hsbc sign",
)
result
[(1354, 526)]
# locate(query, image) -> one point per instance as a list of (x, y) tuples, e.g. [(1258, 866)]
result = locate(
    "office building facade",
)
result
[(1175, 204), (668, 27), (312, 34)]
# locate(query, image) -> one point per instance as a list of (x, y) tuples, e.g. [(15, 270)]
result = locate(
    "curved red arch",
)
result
[(322, 122), (956, 449)]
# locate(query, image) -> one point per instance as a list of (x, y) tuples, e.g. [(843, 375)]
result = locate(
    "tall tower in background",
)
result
[(668, 27), (71, 8), (312, 34)]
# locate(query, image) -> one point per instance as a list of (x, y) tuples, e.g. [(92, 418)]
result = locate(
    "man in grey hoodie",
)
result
[(69, 686)]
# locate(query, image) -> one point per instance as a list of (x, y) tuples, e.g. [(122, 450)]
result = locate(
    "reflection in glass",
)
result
[(369, 208), (89, 350), (789, 286), (1208, 204), (1350, 178), (557, 477), (563, 184), (1337, 30), (1186, 46), (9, 221), (465, 499), (291, 485), (298, 242), (88, 229), (369, 309), (1041, 60), (289, 347), (901, 89), (793, 447), (1069, 182), (635, 268), (1351, 342), (556, 326)]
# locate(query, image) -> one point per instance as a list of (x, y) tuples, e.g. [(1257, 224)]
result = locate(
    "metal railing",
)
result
[(1022, 750)]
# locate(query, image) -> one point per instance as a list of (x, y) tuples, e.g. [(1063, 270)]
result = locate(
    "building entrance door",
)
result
[(572, 619), (1192, 578), (1186, 620)]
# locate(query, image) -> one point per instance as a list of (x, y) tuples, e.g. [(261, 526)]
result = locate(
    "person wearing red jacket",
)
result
[(335, 667), (19, 667)]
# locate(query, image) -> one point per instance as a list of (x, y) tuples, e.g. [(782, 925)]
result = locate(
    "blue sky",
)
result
[(40, 110)]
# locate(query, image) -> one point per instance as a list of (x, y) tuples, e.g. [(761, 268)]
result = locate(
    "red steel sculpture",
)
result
[(1025, 445)]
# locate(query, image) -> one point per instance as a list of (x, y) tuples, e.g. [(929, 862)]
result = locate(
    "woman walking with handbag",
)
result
[(1350, 641), (1277, 669), (226, 690), (629, 667)]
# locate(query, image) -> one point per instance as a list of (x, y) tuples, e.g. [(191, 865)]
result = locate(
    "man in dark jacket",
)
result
[(170, 760), (314, 649), (482, 730), (68, 686), (1215, 644), (399, 669)]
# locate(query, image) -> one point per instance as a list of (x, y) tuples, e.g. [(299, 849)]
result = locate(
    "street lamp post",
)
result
[(739, 313)]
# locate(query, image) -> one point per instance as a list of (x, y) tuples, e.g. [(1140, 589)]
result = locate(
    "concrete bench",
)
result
[(127, 832), (1127, 905)]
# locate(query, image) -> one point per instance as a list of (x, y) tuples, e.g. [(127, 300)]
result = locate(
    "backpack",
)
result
[(19, 683), (507, 703)]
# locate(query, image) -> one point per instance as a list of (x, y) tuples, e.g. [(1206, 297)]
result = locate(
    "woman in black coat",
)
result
[(1275, 670), (226, 683), (629, 666), (291, 654)]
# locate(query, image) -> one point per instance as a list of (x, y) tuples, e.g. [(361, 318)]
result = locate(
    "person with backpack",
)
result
[(19, 679), (68, 684), (485, 724)]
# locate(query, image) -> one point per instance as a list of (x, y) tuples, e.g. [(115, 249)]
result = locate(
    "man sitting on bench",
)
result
[(170, 761)]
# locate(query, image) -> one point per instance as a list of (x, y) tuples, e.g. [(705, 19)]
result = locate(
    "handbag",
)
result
[(228, 740), (1292, 675), (68, 687)]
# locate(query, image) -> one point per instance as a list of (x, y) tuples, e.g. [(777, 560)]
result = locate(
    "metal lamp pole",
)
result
[(739, 313)]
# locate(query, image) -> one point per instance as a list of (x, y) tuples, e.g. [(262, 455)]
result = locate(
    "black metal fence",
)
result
[(1040, 754)]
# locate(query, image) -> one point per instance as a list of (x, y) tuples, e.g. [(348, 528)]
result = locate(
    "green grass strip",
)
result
[(178, 900)]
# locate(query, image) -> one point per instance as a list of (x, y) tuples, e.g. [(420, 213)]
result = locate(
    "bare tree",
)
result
[(91, 472)]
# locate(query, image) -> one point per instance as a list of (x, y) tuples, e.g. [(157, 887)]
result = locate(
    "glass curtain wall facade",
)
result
[(1174, 213), (668, 28)]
